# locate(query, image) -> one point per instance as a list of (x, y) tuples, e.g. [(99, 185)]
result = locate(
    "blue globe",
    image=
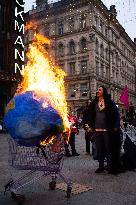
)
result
[(28, 122)]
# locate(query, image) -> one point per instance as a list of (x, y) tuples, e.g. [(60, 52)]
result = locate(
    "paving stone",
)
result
[(106, 189)]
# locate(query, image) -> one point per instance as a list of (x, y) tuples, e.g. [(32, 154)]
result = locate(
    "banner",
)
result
[(124, 97)]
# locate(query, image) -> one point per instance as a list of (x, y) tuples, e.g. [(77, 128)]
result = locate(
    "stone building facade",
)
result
[(91, 46)]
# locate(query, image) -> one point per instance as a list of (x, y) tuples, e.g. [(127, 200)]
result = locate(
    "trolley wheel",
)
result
[(13, 196), (69, 189), (18, 197), (52, 185)]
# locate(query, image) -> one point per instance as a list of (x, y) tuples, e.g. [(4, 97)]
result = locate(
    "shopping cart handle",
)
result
[(7, 186)]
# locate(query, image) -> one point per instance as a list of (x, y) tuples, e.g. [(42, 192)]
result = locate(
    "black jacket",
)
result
[(112, 114)]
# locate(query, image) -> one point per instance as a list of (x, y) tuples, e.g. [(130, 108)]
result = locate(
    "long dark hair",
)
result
[(106, 96)]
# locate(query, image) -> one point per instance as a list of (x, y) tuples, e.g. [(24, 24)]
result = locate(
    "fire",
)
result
[(46, 79), (47, 140)]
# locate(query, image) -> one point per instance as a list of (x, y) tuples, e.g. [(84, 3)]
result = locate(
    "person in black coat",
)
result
[(104, 120)]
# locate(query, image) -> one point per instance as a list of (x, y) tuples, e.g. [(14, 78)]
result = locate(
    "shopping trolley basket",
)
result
[(48, 160)]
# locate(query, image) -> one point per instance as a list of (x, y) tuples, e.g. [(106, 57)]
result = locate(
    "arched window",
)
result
[(60, 28), (97, 46), (83, 44), (60, 49), (72, 68), (83, 22), (96, 21), (83, 67), (72, 47), (71, 24)]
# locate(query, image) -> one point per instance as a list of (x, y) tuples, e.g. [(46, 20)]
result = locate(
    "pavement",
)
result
[(106, 189)]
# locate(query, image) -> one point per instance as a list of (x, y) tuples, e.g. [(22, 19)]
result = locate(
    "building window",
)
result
[(72, 67), (97, 67), (101, 26), (1, 58), (102, 70), (112, 57), (72, 47), (116, 41), (106, 32), (96, 21), (117, 77), (107, 54), (102, 50), (97, 46), (107, 72), (83, 90), (113, 75), (60, 49), (60, 29), (72, 91), (117, 57), (119, 62), (71, 24), (1, 17), (83, 45), (83, 22), (84, 67)]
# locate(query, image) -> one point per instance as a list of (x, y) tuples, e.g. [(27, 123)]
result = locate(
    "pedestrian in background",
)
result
[(74, 130), (131, 114), (104, 121), (85, 126)]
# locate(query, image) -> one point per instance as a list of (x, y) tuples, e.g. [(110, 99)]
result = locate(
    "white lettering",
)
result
[(22, 58), (19, 41), (20, 4), (19, 13), (18, 68), (21, 28), (19, 54)]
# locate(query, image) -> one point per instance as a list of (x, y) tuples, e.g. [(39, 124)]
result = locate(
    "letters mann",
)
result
[(19, 41)]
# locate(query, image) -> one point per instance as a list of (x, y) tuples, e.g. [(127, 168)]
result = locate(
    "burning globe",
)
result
[(38, 110)]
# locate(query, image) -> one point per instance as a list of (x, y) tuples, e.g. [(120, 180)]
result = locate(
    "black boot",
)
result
[(75, 153), (99, 170)]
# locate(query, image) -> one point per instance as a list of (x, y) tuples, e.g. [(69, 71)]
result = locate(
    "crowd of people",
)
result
[(101, 122)]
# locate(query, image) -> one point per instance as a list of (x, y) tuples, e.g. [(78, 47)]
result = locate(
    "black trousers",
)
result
[(102, 141), (108, 145), (71, 143), (115, 150), (87, 139)]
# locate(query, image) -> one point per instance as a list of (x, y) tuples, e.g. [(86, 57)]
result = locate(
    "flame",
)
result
[(46, 79), (47, 140), (31, 25)]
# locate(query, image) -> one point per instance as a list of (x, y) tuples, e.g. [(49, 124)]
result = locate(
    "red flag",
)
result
[(124, 97)]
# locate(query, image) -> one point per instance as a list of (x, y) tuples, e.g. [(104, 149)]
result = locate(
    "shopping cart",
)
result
[(46, 159), (130, 131)]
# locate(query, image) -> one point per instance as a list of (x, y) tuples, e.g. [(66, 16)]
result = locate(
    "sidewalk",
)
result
[(107, 189)]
